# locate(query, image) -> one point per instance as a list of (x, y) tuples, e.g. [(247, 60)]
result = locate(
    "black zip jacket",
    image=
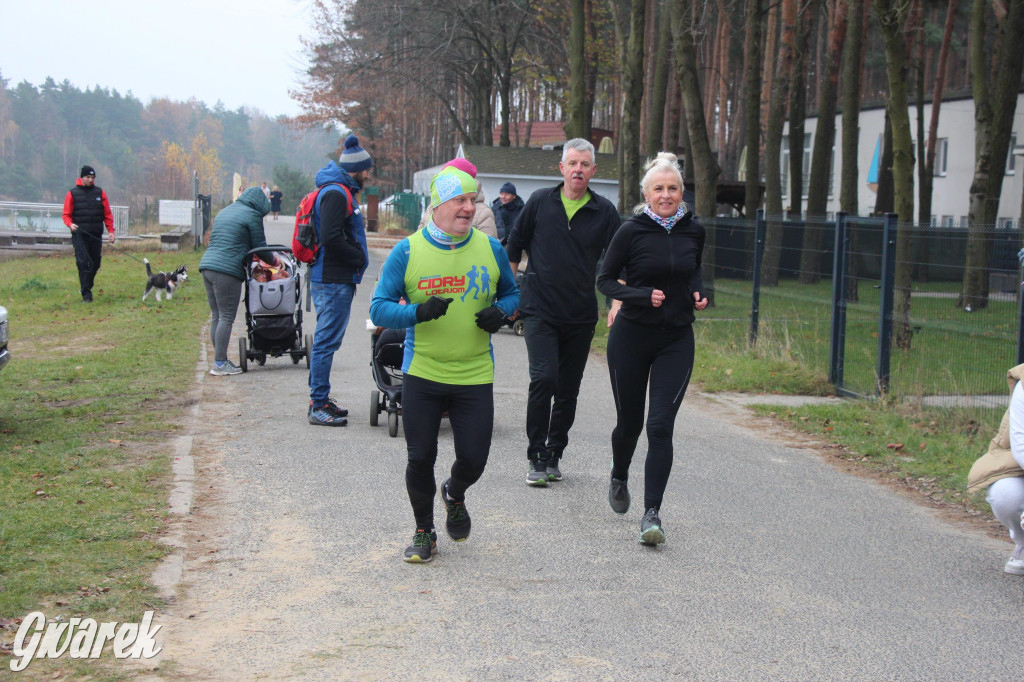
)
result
[(558, 285), (648, 257)]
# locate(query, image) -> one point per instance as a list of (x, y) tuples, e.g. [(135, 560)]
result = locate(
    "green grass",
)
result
[(87, 404)]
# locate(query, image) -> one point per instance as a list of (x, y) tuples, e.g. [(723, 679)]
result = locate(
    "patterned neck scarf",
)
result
[(442, 237), (667, 223)]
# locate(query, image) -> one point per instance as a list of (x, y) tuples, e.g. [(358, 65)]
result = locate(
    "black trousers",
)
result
[(88, 245), (471, 414), (558, 356), (639, 357)]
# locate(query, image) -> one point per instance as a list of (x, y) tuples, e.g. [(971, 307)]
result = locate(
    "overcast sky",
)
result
[(241, 52)]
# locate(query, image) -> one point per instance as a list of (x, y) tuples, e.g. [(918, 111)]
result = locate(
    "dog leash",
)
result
[(115, 248)]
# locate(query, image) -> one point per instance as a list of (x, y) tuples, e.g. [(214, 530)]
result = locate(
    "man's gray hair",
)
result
[(580, 145)]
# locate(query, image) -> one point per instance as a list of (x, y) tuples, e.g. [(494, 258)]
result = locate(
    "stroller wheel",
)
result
[(518, 328), (374, 407), (261, 360), (243, 355), (393, 423)]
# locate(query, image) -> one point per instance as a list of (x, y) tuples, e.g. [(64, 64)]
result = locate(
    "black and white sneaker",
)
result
[(537, 476), (458, 523), (651, 532), (423, 547)]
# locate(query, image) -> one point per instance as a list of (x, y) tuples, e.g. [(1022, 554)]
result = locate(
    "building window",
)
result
[(1011, 159), (808, 147), (941, 153), (784, 160), (947, 221)]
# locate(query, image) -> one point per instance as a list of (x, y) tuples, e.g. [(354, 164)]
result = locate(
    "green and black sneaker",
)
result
[(537, 476), (554, 473), (423, 547), (458, 522), (651, 532)]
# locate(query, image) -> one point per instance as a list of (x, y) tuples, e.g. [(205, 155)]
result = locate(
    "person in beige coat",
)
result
[(1001, 469), (483, 219)]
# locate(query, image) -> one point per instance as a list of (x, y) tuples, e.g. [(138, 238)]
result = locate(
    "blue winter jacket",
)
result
[(343, 256)]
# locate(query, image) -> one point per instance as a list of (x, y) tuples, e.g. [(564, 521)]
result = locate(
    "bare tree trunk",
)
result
[(659, 87), (633, 90), (892, 18), (933, 125), (705, 168), (576, 104), (773, 147), (995, 99), (752, 85), (848, 200)]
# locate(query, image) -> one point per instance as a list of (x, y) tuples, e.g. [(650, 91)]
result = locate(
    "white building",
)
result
[(954, 162)]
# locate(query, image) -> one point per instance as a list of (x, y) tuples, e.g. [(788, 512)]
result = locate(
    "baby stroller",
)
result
[(386, 351), (273, 316)]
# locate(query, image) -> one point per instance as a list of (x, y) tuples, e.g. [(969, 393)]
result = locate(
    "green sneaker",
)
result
[(423, 547), (554, 473)]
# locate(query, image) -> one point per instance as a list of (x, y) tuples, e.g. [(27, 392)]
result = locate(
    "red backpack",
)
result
[(305, 238)]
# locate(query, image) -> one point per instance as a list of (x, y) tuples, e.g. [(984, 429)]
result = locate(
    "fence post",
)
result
[(760, 228), (837, 337), (885, 305)]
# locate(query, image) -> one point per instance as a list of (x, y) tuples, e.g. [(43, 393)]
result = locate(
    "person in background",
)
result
[(1001, 470), (266, 190), (653, 271), (448, 363), (237, 229), (339, 267), (506, 208), (86, 212), (275, 201), (564, 229)]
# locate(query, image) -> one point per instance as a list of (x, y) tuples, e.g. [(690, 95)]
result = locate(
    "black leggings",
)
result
[(638, 353), (471, 414)]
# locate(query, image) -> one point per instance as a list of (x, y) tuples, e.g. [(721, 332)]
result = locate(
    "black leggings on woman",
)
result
[(471, 414), (638, 353)]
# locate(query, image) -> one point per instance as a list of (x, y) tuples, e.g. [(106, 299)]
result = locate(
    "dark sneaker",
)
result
[(458, 522), (618, 496), (650, 528), (322, 416), (423, 547), (227, 369), (333, 408), (538, 474), (554, 473)]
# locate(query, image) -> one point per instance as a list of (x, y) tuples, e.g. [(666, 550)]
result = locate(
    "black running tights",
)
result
[(639, 356), (471, 414)]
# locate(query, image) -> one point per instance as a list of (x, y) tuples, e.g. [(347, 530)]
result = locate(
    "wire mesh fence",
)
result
[(888, 315)]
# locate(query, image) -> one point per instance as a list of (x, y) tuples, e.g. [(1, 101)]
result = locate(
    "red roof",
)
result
[(544, 132)]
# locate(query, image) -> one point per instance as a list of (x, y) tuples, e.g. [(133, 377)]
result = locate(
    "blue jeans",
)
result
[(333, 303)]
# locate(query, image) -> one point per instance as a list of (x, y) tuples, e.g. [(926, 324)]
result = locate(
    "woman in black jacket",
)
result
[(652, 270)]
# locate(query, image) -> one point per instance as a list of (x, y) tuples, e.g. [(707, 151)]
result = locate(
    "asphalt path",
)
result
[(777, 565)]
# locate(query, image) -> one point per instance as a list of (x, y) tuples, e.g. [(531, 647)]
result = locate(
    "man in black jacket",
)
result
[(564, 230), (86, 212), (506, 209)]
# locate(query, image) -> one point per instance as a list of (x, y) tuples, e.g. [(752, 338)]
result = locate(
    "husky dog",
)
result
[(163, 281)]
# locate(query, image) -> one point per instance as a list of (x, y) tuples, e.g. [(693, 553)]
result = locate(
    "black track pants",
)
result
[(88, 246), (471, 414), (639, 355), (558, 356)]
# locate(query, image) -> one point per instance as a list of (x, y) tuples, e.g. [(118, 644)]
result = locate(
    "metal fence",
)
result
[(834, 296), (46, 218)]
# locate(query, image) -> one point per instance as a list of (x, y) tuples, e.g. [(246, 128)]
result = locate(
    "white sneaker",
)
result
[(225, 369), (1015, 564)]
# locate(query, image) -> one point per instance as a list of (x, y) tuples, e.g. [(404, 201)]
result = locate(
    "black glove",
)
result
[(433, 308), (490, 319)]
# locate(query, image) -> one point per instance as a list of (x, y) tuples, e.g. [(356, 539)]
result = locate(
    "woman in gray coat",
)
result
[(237, 229)]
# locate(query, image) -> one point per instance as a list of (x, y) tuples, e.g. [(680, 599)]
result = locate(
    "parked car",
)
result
[(4, 354)]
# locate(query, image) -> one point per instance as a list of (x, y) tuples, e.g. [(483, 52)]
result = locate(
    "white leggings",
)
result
[(1006, 497)]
